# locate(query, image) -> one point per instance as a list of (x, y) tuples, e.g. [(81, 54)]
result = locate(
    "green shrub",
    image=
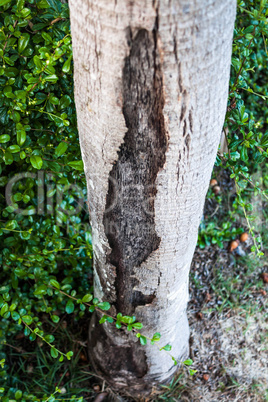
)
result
[(245, 126), (48, 241)]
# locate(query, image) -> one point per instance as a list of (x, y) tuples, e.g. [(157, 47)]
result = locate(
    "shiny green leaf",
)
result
[(36, 161), (61, 149), (69, 307), (23, 42)]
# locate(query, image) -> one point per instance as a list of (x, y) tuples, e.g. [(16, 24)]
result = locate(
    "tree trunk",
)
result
[(151, 85)]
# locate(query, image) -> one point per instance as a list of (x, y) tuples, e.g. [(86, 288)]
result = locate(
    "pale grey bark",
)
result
[(178, 53)]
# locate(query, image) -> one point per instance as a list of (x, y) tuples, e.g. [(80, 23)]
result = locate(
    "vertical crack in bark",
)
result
[(129, 219)]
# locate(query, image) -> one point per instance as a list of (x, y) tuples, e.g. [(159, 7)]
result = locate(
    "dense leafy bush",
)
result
[(247, 113), (246, 130), (46, 248), (50, 239)]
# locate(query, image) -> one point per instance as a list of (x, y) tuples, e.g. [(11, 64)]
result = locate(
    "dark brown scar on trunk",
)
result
[(132, 190)]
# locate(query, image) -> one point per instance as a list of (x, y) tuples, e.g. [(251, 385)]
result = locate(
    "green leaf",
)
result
[(78, 165), (27, 331), (69, 307), (104, 306), (15, 116), (4, 2), (54, 5), (156, 337), (32, 337), (175, 361), (27, 319), (87, 298), (4, 138), (55, 318), (23, 42), (61, 149), (12, 224), (137, 325), (49, 338), (192, 372), (7, 90), (38, 62), (15, 315), (244, 154), (54, 283), (14, 149), (65, 101), (250, 28), (188, 362), (21, 137), (25, 12), (4, 309), (51, 78), (8, 158), (36, 161), (54, 100), (143, 340), (66, 66), (167, 348), (11, 72), (41, 290), (18, 394), (54, 353), (69, 355), (127, 319), (46, 36)]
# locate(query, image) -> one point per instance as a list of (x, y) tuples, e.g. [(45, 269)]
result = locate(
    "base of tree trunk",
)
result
[(118, 357)]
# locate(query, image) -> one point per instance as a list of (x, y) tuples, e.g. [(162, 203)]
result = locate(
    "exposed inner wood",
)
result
[(111, 358), (129, 219)]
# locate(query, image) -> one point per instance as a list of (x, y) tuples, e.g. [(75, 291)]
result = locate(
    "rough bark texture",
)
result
[(129, 217), (151, 82)]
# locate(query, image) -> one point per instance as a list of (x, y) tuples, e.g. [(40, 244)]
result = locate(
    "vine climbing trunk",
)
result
[(151, 85)]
